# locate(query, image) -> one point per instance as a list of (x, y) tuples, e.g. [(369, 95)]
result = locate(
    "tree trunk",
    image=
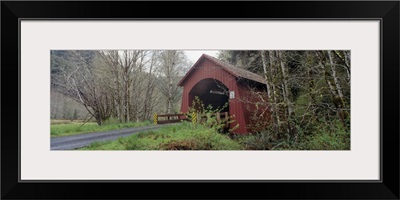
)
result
[(171, 65), (169, 98), (274, 89), (286, 93), (310, 78), (336, 99), (330, 85), (347, 61), (148, 97), (267, 80), (335, 78)]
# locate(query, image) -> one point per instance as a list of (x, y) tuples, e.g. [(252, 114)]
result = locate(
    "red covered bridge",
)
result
[(216, 82)]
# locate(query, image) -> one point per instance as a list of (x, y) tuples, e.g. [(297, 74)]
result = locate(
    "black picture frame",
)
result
[(13, 11)]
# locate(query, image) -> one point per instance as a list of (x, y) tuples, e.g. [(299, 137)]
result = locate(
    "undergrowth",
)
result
[(322, 137), (184, 136)]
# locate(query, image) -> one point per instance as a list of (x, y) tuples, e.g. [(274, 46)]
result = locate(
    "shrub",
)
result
[(206, 116), (175, 137), (262, 141), (325, 140), (180, 145), (328, 136)]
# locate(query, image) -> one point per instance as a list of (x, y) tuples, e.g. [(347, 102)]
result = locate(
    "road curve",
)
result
[(78, 141)]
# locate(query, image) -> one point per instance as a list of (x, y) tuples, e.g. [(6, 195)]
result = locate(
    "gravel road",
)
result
[(78, 141)]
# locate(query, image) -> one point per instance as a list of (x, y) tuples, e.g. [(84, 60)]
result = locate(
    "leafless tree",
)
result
[(173, 66)]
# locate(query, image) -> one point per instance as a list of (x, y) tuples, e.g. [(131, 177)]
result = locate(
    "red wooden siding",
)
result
[(250, 109), (206, 69)]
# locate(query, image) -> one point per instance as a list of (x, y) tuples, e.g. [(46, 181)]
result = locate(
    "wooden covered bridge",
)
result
[(216, 83)]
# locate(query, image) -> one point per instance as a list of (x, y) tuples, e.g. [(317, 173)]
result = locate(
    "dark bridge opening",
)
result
[(212, 93)]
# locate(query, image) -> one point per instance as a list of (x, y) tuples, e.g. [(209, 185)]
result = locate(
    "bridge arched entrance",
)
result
[(212, 93)]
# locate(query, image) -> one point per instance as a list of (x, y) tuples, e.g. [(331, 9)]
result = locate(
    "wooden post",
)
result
[(226, 119), (218, 117), (155, 118), (194, 118)]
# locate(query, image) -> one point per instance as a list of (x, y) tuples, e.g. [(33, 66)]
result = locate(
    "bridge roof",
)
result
[(233, 70)]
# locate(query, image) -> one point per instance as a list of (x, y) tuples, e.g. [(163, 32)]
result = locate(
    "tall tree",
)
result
[(302, 86), (79, 79), (150, 101), (173, 66)]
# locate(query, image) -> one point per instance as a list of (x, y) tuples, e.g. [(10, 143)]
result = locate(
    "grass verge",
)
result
[(73, 128), (183, 136)]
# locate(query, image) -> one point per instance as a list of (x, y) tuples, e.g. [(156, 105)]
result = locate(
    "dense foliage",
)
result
[(308, 95)]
